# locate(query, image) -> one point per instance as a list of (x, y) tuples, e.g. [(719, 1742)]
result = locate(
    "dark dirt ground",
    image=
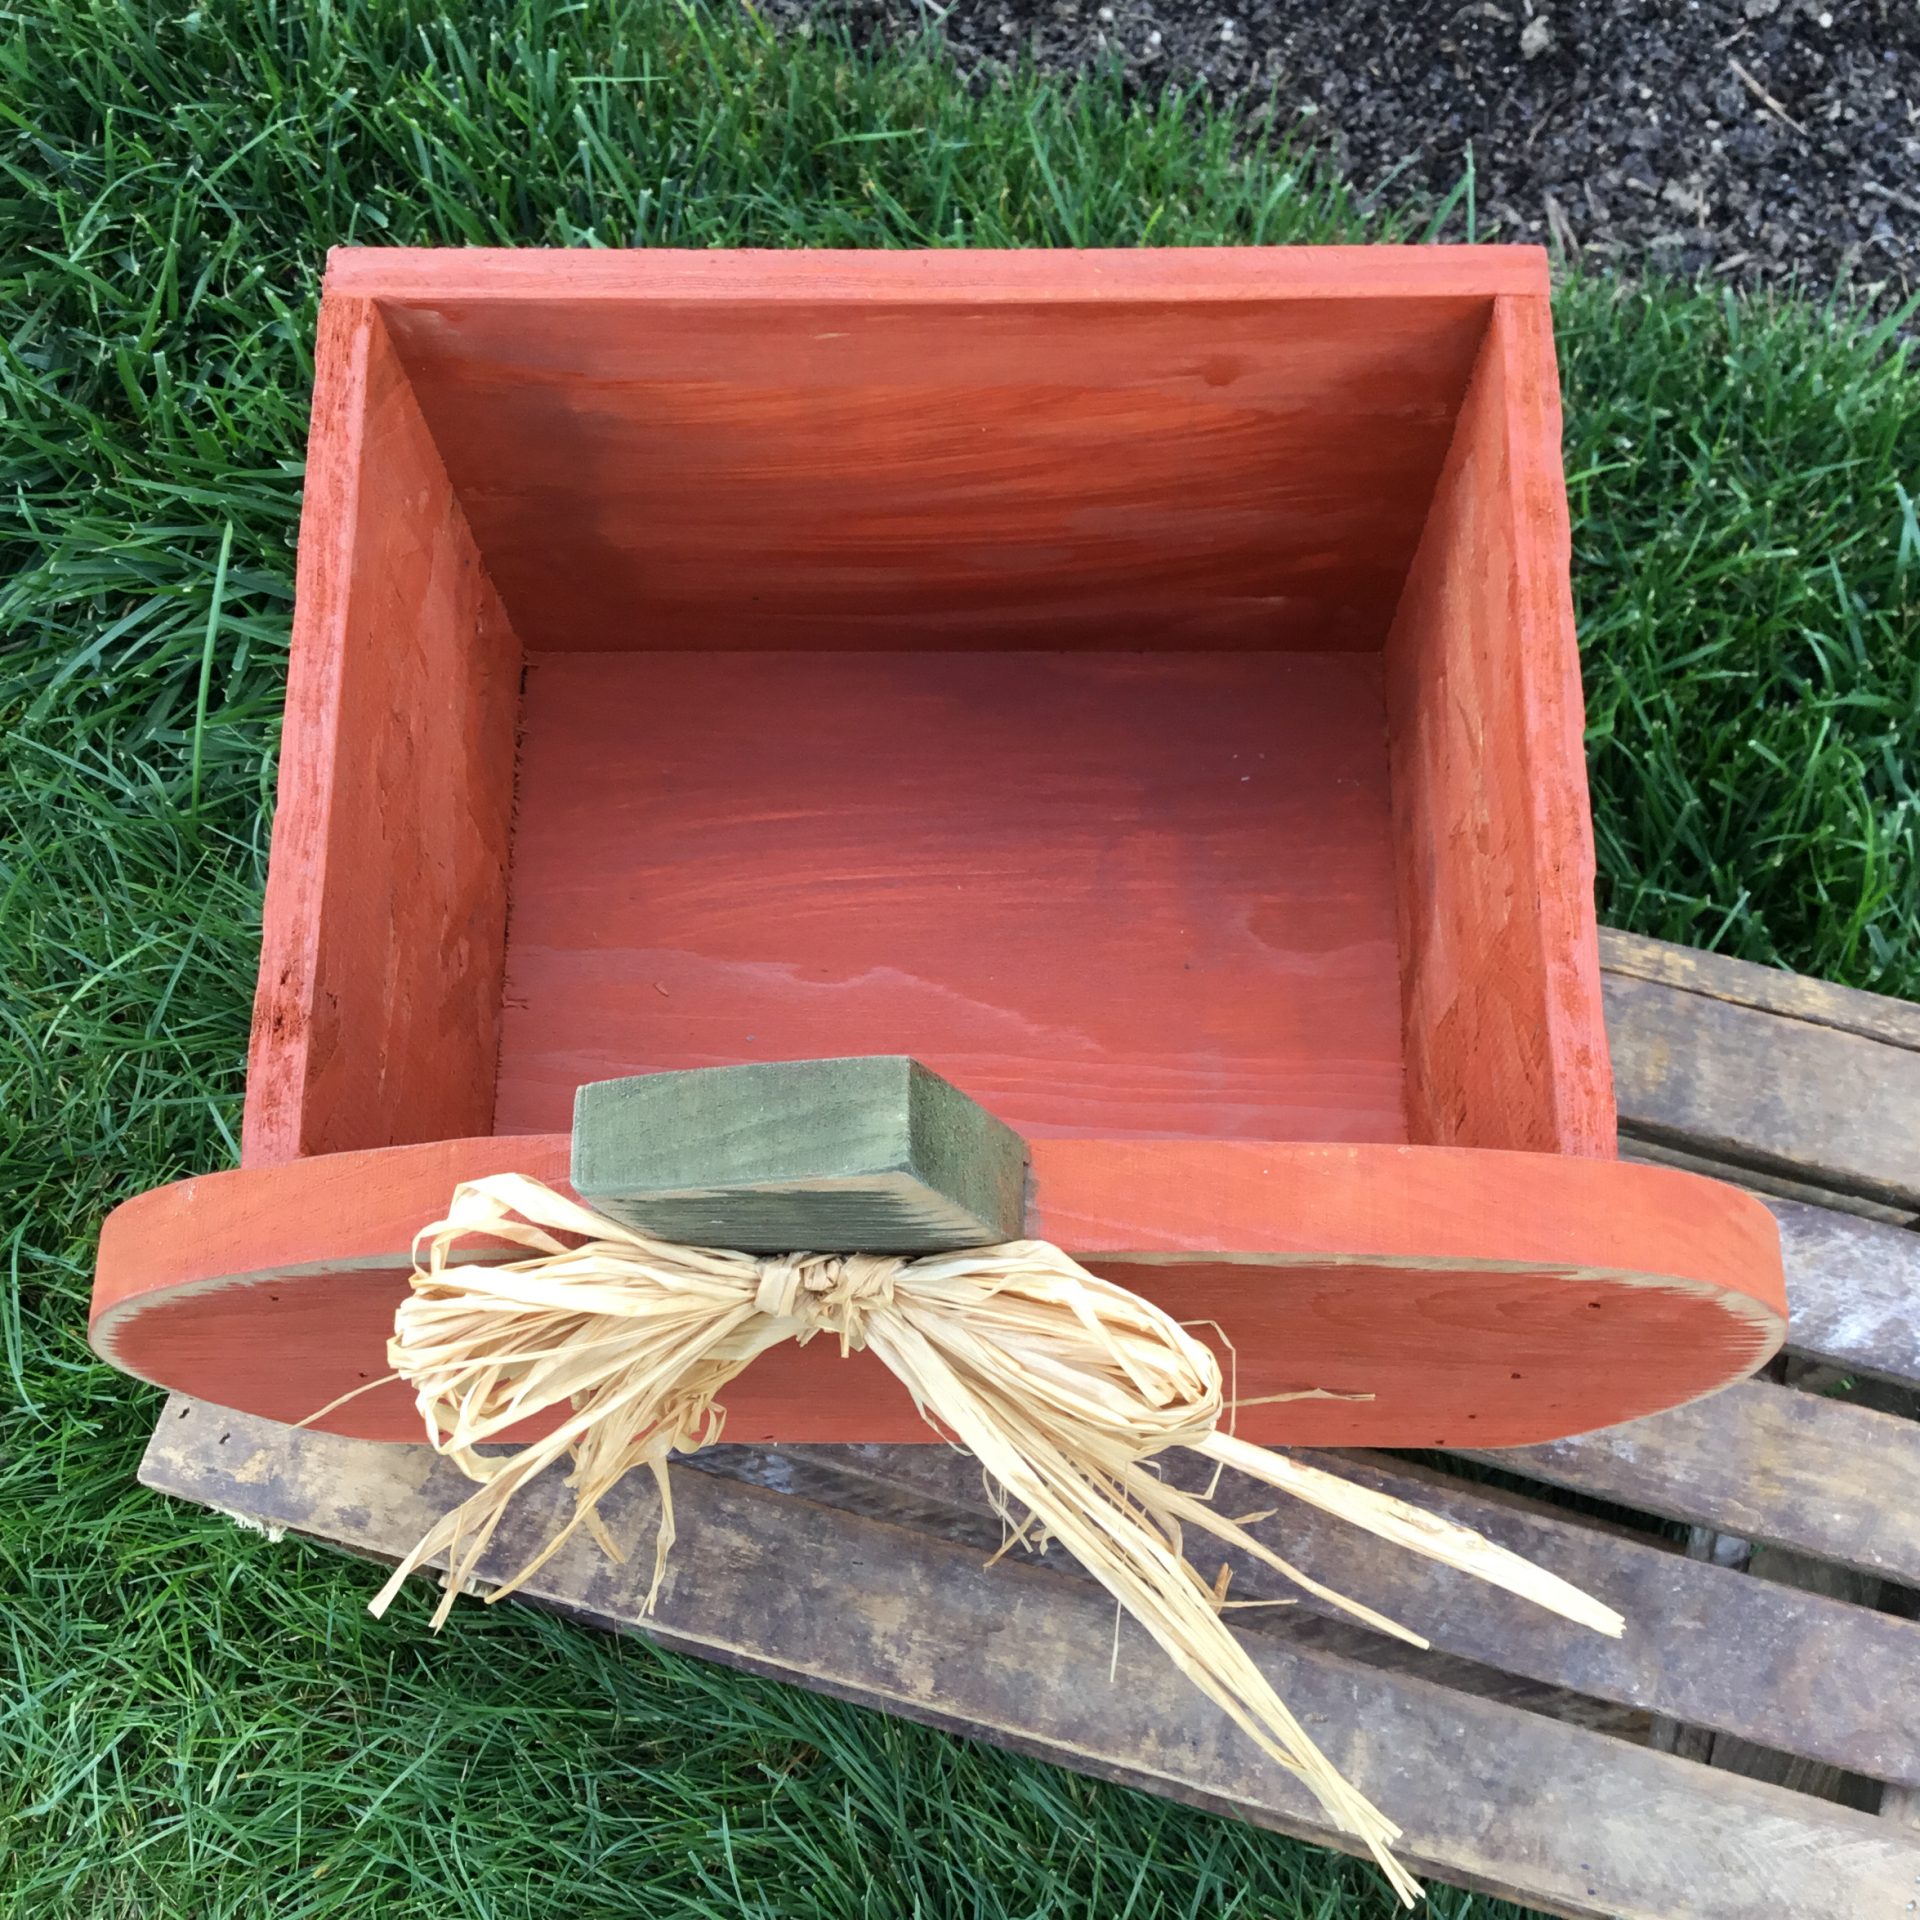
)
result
[(1760, 140)]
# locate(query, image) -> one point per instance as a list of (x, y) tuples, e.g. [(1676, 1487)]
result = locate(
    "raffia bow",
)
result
[(1063, 1386)]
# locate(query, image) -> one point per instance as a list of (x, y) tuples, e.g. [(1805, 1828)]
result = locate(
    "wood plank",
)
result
[(1829, 1106), (1102, 893), (971, 276), (1786, 1765), (823, 1476), (1585, 1825), (1666, 1733), (1564, 1292), (1764, 1461), (1794, 996), (377, 1013), (873, 1154), (861, 456), (1853, 1291), (1493, 839), (1771, 1186), (1798, 1671)]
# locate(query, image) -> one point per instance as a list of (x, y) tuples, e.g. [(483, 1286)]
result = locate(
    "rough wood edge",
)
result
[(1102, 276), (1795, 996)]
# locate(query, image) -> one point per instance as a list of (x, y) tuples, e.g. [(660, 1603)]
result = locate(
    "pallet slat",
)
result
[(1585, 1825), (1798, 1671), (1853, 1290), (1794, 996), (1763, 1461), (1831, 1108)]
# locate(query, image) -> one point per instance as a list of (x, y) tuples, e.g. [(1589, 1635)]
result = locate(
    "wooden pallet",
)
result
[(1752, 1745)]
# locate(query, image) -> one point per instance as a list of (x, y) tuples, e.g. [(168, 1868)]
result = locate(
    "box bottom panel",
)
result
[(1115, 893)]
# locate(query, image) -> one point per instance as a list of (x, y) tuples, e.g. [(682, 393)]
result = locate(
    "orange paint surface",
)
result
[(1485, 1297), (1141, 685), (1137, 894), (1506, 1046)]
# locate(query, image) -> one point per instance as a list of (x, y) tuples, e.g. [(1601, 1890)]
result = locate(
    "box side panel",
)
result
[(377, 1012), (1505, 1044)]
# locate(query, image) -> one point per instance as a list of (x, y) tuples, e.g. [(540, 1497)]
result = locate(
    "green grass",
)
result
[(1743, 480), (198, 1722)]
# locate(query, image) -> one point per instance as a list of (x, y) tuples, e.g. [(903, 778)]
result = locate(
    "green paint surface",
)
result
[(870, 1154)]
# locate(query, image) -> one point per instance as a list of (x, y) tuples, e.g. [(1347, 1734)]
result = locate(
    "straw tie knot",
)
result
[(835, 1290)]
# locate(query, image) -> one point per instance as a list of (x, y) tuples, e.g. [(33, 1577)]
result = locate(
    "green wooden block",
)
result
[(867, 1155)]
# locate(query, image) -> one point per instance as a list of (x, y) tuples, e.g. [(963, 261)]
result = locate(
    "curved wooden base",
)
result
[(1480, 1298)]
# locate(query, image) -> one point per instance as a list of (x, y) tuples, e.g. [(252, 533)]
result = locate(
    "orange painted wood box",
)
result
[(1140, 685)]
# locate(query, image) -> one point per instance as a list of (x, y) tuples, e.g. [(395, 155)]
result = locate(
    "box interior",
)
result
[(1104, 892), (1124, 710)]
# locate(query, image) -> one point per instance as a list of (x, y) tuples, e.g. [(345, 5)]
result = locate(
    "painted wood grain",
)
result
[(1142, 895), (1451, 1296), (1770, 1463), (1017, 1655), (377, 1009), (867, 1155), (1089, 276), (957, 474), (951, 448), (1831, 1107), (1505, 1043)]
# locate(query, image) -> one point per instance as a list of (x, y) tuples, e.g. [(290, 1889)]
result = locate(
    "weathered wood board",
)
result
[(1489, 1795), (1784, 1668), (1727, 1064), (1852, 1289), (1793, 996), (1766, 1461)]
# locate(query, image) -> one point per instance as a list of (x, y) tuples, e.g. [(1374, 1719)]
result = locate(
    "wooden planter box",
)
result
[(1141, 686)]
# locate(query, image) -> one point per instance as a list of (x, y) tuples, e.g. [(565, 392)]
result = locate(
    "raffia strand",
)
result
[(1063, 1385)]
